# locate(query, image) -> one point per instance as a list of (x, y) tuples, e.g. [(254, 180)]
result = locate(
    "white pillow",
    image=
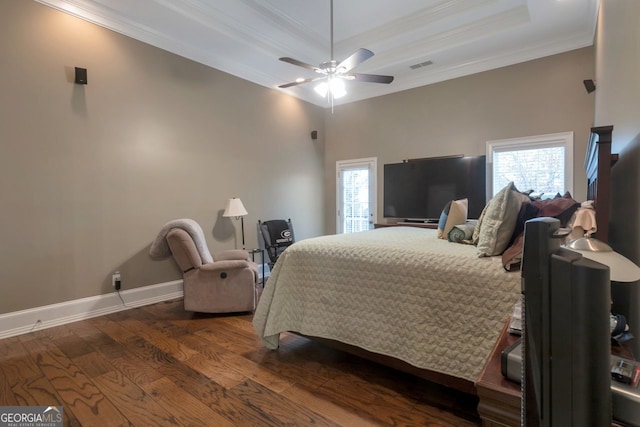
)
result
[(454, 213)]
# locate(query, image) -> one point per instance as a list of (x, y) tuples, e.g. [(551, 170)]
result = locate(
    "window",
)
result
[(542, 163)]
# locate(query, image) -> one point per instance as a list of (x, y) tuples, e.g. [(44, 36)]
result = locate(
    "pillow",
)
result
[(561, 208), (527, 211), (512, 256), (499, 221), (558, 207), (454, 213), (476, 229), (461, 233)]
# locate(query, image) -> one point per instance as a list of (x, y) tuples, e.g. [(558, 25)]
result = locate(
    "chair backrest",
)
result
[(277, 235), (184, 249)]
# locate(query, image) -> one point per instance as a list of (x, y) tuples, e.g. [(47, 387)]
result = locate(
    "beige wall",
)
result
[(618, 70), (459, 116), (618, 104), (89, 174)]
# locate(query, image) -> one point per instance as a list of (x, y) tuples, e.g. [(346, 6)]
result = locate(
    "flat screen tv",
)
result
[(419, 189), (566, 378)]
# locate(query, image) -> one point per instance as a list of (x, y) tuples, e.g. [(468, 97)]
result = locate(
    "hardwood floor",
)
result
[(159, 365)]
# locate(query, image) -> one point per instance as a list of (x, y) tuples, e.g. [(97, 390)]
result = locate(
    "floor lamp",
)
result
[(236, 208)]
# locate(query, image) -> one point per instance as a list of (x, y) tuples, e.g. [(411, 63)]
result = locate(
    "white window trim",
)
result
[(373, 183), (562, 139)]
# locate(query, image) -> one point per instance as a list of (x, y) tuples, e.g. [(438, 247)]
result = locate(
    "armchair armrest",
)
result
[(218, 267), (232, 254), (224, 265)]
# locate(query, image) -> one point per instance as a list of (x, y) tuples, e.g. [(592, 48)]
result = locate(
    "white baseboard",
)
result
[(33, 319)]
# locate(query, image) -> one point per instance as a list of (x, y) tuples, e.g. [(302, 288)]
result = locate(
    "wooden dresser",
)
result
[(499, 404)]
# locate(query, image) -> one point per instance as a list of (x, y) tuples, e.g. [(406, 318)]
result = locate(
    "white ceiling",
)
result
[(246, 37)]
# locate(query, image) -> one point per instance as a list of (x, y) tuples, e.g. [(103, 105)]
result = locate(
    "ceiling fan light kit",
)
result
[(335, 86), (333, 74)]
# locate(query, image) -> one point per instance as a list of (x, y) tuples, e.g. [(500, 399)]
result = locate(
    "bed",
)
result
[(397, 295)]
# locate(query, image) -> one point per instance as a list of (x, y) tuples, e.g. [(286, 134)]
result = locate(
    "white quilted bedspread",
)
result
[(397, 291)]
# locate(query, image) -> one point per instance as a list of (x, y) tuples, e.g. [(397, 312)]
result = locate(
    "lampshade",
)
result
[(621, 269), (235, 208)]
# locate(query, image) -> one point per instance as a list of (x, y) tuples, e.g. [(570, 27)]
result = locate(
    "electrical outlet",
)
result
[(116, 281)]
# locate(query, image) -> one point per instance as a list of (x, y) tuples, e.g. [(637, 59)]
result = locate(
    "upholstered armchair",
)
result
[(222, 283)]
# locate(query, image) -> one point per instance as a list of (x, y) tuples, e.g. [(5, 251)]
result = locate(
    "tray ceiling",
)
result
[(418, 41)]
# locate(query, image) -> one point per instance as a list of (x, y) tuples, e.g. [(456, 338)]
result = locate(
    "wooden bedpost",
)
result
[(598, 162)]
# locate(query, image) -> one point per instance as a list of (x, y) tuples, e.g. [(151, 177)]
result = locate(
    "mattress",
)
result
[(397, 291)]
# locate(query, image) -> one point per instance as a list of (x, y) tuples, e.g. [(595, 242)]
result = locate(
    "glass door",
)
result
[(356, 195)]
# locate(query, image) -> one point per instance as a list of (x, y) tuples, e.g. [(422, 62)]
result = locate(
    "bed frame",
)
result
[(598, 162)]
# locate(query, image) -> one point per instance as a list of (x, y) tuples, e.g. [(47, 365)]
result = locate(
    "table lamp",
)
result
[(621, 268)]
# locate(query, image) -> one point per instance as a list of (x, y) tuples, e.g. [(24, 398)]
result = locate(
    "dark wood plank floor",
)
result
[(159, 365)]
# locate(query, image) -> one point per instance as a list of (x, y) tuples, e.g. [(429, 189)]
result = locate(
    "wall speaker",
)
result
[(314, 134), (81, 76), (589, 85)]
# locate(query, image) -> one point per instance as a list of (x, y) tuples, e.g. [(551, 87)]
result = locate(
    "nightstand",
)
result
[(499, 404), (253, 253), (499, 398)]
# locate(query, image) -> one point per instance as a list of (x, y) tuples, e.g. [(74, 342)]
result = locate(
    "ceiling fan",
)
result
[(333, 73)]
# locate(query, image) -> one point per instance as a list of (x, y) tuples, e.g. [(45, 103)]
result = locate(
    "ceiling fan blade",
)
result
[(356, 58), (372, 78), (301, 82), (298, 63)]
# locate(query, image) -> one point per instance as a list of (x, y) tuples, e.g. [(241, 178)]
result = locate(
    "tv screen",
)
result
[(419, 189)]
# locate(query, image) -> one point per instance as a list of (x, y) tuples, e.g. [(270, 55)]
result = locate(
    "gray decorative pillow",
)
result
[(499, 221), (461, 233)]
